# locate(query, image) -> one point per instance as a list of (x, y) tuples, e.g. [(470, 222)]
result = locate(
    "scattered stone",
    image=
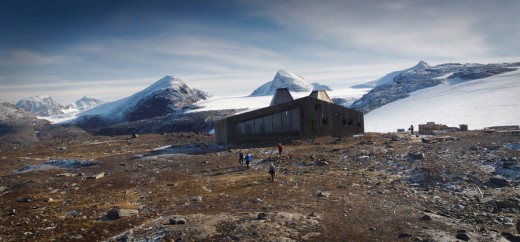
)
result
[(135, 135), (97, 176), (510, 203), (372, 229), (23, 200), (177, 221), (462, 236), (263, 216), (257, 200), (323, 194), (3, 188), (417, 155), (426, 217), (196, 199), (66, 174), (116, 213), (171, 184), (404, 235), (500, 181)]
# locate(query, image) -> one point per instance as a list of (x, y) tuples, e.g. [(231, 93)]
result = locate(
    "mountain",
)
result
[(399, 85), (167, 96), (479, 103), (285, 79), (84, 103), (17, 125), (40, 105)]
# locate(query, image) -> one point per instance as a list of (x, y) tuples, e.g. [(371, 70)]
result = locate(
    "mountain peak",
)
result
[(40, 105), (291, 81), (421, 65)]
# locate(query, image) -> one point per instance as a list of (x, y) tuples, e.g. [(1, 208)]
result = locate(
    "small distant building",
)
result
[(288, 119), (431, 128)]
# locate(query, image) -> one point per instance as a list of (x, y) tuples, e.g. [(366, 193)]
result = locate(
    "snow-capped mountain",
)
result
[(285, 79), (164, 97), (40, 105), (18, 125), (84, 103), (399, 85), (484, 102)]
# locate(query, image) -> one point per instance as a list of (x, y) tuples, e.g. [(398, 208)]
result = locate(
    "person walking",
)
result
[(411, 128), (248, 160), (241, 158), (272, 171), (280, 149)]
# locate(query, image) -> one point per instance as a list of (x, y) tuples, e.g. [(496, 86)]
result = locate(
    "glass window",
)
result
[(241, 128), (249, 127), (259, 126), (277, 123), (268, 123), (295, 119)]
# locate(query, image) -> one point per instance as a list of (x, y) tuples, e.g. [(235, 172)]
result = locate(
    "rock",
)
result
[(404, 235), (263, 216), (23, 200), (196, 199), (135, 136), (510, 203), (3, 188), (462, 236), (177, 221), (97, 176), (65, 174), (323, 194), (417, 155), (426, 217), (116, 213), (257, 200), (500, 181)]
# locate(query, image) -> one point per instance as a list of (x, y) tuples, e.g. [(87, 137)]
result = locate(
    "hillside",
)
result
[(181, 186), (481, 103)]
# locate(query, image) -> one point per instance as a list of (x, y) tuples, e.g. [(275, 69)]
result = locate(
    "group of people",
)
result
[(247, 160)]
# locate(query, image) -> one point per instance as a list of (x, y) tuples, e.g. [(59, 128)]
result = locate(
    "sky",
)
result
[(110, 49)]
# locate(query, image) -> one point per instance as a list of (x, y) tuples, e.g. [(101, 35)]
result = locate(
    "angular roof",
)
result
[(282, 95), (321, 95)]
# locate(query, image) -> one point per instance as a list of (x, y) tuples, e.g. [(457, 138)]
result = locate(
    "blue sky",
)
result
[(110, 49)]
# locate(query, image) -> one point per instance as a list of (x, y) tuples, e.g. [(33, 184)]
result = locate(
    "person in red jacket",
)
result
[(280, 149)]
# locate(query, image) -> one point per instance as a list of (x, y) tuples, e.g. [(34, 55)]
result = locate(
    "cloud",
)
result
[(412, 29)]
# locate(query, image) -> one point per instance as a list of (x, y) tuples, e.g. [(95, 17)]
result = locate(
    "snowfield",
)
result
[(479, 103)]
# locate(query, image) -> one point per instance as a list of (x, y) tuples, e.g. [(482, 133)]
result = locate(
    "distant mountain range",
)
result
[(285, 79), (170, 105), (45, 106), (398, 85)]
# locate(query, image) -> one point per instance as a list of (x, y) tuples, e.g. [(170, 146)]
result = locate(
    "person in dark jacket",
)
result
[(272, 171), (241, 158)]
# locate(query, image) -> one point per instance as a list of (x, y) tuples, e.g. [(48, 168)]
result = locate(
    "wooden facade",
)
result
[(307, 117)]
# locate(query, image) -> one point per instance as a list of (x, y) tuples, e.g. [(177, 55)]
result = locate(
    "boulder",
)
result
[(417, 155), (116, 213), (500, 181), (263, 216), (323, 194), (97, 176), (462, 236), (177, 221)]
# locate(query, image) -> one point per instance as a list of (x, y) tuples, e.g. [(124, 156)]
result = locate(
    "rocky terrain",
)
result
[(373, 187)]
